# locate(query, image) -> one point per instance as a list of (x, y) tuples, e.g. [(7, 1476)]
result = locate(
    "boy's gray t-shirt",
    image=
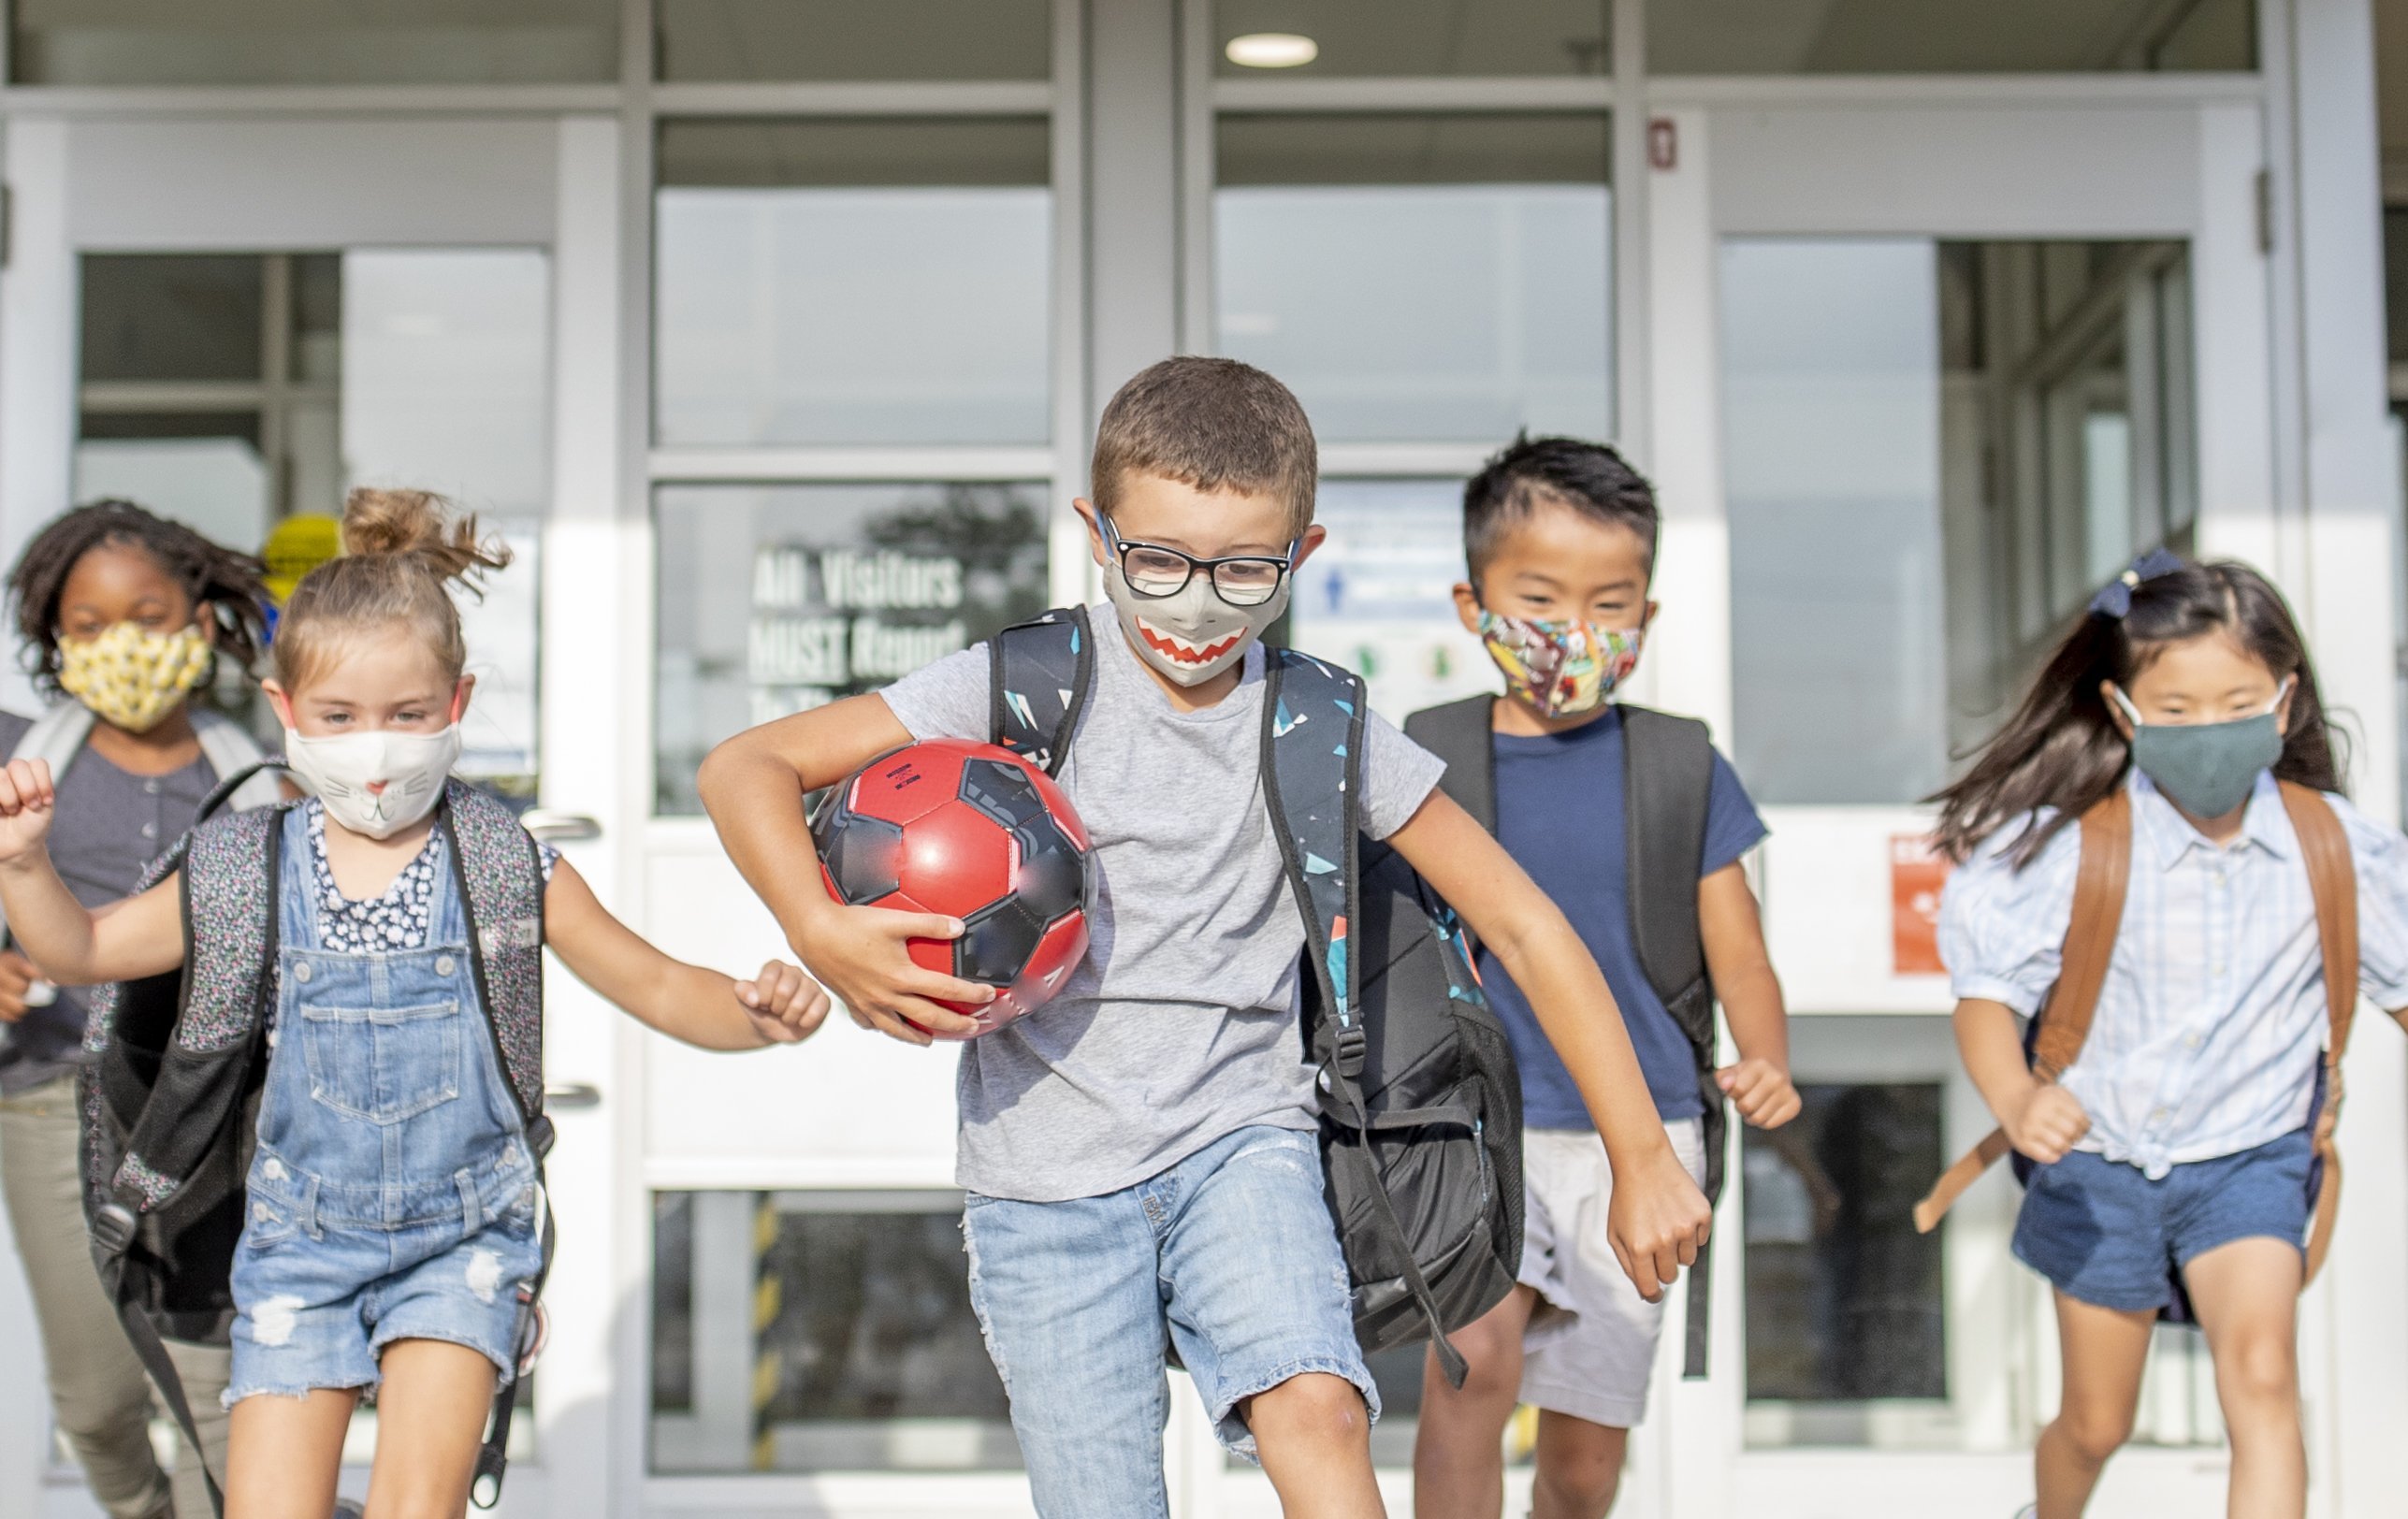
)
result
[(1180, 1026)]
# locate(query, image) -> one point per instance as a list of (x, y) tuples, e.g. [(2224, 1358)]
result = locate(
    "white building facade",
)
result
[(772, 331)]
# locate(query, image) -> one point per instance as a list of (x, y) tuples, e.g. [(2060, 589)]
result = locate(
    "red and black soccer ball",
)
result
[(976, 833)]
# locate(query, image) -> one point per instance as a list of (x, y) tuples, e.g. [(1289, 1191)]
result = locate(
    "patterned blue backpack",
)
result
[(1420, 1107)]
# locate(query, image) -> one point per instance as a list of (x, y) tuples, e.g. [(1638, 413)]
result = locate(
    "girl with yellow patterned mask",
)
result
[(125, 613)]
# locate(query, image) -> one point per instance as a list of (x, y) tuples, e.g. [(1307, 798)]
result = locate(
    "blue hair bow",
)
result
[(2114, 598)]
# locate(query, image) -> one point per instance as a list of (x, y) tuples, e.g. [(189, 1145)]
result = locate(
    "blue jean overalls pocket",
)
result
[(383, 1065)]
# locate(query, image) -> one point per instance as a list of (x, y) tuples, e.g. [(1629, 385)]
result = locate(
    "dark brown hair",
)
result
[(225, 586), (2062, 748), (401, 550), (1590, 479), (1210, 423)]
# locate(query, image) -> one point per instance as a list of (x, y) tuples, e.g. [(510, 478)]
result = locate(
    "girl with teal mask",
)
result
[(2176, 1156)]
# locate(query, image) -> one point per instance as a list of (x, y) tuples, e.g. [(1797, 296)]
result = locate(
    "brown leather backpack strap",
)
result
[(2099, 888), (2101, 884), (2332, 880)]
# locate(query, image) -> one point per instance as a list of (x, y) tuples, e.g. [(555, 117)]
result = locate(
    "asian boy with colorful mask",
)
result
[(1561, 537), (122, 616)]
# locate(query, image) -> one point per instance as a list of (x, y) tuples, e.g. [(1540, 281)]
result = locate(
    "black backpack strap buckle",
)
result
[(1348, 1049), (540, 1136), (113, 1227)]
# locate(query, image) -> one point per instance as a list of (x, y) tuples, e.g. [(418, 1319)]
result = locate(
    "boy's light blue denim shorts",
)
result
[(321, 1286), (2105, 1234), (1230, 1255)]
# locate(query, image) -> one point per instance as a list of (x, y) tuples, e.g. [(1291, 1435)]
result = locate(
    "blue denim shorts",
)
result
[(1230, 1255), (322, 1284), (2105, 1234)]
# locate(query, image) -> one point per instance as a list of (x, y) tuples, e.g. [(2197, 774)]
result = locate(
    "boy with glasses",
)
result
[(1139, 1153)]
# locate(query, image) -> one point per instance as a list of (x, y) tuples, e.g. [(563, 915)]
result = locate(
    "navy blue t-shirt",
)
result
[(1560, 815)]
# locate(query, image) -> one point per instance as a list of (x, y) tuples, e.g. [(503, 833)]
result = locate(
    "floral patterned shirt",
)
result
[(395, 923)]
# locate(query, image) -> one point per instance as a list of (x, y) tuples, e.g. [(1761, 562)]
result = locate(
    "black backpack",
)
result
[(1667, 774), (170, 1098), (1420, 1106)]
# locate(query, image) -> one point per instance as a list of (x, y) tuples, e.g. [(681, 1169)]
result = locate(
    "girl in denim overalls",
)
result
[(396, 1216)]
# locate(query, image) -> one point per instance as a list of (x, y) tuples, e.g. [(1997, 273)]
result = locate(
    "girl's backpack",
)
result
[(1667, 785), (176, 1063), (2054, 1039), (1421, 1125)]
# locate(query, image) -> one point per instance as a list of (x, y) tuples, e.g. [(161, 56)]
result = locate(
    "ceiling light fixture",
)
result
[(1271, 49)]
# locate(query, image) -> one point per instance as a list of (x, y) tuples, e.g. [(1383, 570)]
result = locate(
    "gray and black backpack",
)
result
[(1420, 1107), (176, 1061)]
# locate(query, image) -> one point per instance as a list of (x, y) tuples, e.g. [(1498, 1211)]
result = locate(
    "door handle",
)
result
[(555, 827), (572, 1094)]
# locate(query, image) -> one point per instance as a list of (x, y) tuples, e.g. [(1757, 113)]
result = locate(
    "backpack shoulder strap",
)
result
[(2100, 883), (1667, 779), (232, 752), (500, 873), (1312, 739), (1040, 673), (2332, 880), (1459, 733), (57, 735)]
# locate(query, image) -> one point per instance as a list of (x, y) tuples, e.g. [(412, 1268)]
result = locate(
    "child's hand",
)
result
[(859, 954), (2046, 1124), (785, 1006), (1762, 1091), (26, 802), (1657, 1222)]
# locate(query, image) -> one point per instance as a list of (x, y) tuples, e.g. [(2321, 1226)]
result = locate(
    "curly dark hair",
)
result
[(225, 581)]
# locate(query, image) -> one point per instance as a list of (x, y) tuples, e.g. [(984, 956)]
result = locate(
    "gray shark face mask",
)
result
[(2208, 769), (1194, 635)]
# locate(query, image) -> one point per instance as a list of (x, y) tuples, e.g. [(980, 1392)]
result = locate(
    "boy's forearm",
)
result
[(1991, 1049), (1576, 1011), (755, 801), (1758, 1019), (48, 924)]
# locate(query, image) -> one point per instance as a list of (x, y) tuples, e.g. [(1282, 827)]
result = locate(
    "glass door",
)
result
[(1939, 410), (242, 386)]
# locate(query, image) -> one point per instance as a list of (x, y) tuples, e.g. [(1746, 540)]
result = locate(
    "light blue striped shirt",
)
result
[(2212, 1022)]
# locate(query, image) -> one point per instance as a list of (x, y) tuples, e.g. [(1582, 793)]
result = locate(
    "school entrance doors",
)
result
[(776, 332)]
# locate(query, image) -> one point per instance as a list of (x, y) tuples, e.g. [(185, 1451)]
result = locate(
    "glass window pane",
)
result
[(1415, 36), (870, 1358), (445, 363), (1420, 278), (310, 42), (1948, 36), (844, 40), (1377, 596), (776, 599), (884, 282), (172, 317), (1831, 465), (1844, 1297)]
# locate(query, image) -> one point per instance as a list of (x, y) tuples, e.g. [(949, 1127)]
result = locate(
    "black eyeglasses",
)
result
[(1158, 572)]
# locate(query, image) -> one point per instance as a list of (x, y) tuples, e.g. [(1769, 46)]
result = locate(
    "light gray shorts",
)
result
[(1590, 1349)]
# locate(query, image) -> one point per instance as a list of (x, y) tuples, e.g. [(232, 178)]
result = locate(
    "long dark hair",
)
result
[(225, 586), (2062, 748)]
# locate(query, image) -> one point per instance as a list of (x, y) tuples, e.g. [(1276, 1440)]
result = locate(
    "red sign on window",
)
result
[(1917, 874)]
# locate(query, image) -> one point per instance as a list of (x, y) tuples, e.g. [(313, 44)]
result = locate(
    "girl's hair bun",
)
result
[(422, 525)]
